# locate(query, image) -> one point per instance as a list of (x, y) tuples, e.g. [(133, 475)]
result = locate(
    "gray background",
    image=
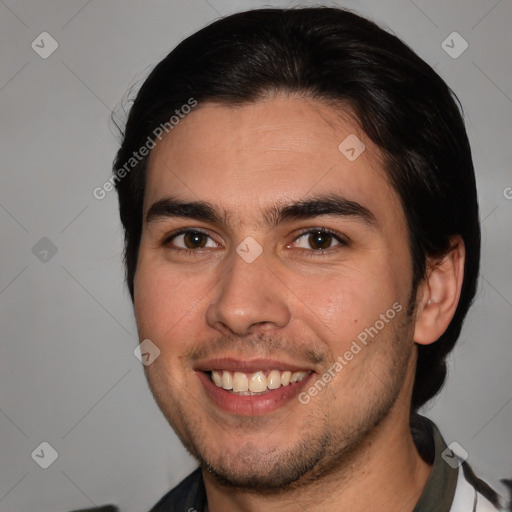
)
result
[(68, 373)]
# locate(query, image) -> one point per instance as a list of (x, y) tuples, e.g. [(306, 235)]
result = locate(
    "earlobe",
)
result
[(439, 293)]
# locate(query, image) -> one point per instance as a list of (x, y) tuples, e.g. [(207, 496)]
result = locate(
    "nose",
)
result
[(249, 297)]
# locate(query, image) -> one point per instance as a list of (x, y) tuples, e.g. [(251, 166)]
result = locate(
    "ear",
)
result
[(438, 295)]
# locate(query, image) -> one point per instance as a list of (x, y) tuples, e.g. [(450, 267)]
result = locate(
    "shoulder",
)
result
[(453, 486)]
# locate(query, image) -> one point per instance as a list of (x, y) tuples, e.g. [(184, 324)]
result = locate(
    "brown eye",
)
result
[(320, 240), (191, 239), (194, 239)]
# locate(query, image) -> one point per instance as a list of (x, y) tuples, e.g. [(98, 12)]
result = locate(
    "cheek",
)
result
[(164, 302), (347, 301)]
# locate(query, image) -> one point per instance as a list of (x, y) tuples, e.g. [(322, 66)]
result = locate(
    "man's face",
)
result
[(335, 259)]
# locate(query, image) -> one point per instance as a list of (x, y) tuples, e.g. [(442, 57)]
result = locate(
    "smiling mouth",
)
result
[(256, 383)]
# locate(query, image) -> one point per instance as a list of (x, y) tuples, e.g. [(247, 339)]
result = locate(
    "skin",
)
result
[(350, 447)]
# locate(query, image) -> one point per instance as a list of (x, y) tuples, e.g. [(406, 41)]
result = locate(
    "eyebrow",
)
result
[(309, 208), (317, 206)]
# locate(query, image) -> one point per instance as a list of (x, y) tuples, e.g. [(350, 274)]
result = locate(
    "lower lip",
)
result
[(251, 405)]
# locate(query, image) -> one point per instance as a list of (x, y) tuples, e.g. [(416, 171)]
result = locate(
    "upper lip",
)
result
[(248, 365)]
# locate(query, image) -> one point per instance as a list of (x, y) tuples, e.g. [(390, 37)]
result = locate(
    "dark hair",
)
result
[(336, 56)]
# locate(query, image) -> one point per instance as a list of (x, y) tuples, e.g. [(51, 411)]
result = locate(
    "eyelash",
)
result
[(342, 241), (184, 231), (312, 252)]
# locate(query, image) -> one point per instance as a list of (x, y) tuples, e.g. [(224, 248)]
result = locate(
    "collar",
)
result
[(439, 492)]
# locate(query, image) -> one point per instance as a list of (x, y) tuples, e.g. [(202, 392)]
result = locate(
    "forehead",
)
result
[(283, 149)]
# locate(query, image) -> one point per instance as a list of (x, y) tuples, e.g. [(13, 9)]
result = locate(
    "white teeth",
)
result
[(285, 378), (217, 378), (297, 376), (274, 379), (255, 382), (240, 382), (258, 382), (227, 380)]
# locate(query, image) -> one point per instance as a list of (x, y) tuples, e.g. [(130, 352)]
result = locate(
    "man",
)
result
[(302, 246)]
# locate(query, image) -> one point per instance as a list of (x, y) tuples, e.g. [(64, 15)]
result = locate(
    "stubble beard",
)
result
[(319, 452)]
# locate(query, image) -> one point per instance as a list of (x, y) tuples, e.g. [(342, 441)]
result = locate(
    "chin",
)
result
[(254, 470)]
